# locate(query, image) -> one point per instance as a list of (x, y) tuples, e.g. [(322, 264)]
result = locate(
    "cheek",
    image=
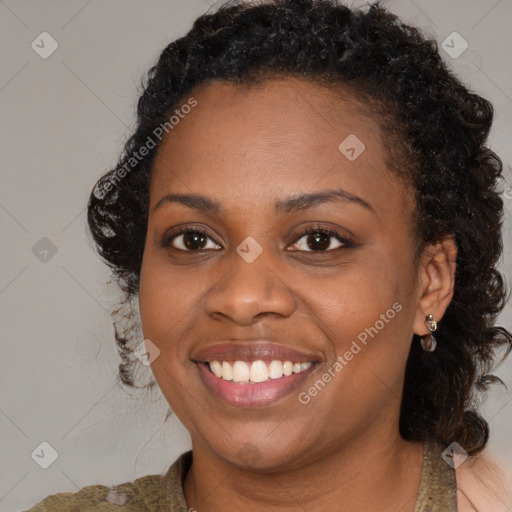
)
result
[(367, 316), (356, 298), (165, 298), (153, 301), (162, 303), (160, 310)]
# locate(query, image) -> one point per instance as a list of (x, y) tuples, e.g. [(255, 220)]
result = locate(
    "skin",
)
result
[(248, 147), (483, 485)]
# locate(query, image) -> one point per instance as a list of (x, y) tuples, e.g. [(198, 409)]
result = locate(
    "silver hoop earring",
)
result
[(428, 342)]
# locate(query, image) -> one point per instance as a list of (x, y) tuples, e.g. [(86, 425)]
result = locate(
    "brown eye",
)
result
[(320, 240), (191, 240)]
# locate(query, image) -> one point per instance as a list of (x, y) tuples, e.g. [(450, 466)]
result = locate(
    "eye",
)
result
[(190, 239), (314, 239), (320, 239)]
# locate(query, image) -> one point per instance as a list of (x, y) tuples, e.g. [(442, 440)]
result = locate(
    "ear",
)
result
[(436, 281)]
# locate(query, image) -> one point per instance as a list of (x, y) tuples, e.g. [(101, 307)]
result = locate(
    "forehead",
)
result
[(277, 138), (285, 113)]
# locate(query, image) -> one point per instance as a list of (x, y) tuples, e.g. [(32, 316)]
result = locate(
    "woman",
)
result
[(309, 219)]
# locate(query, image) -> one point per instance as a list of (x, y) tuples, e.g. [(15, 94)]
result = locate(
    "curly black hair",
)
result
[(436, 130)]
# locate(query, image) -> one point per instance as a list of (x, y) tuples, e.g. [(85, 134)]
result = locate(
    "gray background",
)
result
[(63, 122)]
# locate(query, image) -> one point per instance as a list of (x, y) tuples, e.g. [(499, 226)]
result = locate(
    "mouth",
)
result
[(255, 374), (243, 372)]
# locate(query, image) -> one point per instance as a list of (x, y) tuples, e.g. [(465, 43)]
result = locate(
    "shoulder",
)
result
[(483, 485), (141, 495)]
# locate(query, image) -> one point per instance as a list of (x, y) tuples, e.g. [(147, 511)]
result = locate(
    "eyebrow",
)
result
[(288, 205), (304, 201)]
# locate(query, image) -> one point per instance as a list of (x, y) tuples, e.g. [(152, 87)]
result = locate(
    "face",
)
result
[(278, 278)]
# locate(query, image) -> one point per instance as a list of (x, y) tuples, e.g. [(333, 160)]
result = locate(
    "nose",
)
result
[(249, 290)]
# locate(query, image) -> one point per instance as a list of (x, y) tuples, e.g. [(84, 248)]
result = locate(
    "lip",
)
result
[(252, 351), (252, 395)]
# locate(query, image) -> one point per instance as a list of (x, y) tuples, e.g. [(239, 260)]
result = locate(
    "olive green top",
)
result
[(164, 493)]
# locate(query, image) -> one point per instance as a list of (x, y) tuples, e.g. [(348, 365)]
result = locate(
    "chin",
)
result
[(259, 454)]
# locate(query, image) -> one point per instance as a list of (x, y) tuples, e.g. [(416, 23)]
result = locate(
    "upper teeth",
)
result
[(257, 371)]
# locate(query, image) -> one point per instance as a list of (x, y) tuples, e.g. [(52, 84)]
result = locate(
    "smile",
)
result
[(256, 371), (253, 374)]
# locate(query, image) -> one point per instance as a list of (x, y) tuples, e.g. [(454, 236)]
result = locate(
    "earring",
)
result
[(428, 342)]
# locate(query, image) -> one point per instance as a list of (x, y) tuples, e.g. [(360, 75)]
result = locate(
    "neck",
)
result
[(378, 473)]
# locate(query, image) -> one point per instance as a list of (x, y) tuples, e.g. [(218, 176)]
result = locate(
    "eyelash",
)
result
[(167, 241), (324, 230)]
